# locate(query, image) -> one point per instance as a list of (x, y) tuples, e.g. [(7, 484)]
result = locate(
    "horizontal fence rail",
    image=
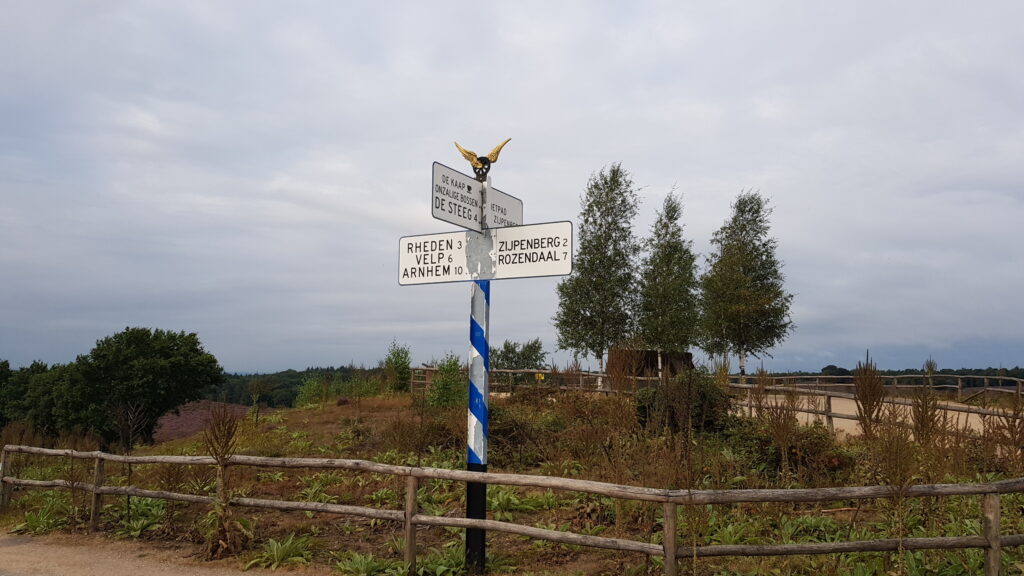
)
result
[(990, 540), (808, 385), (897, 401), (507, 380)]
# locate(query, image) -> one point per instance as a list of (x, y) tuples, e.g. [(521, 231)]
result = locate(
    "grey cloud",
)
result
[(246, 174)]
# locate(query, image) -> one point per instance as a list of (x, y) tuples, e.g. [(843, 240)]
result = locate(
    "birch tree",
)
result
[(595, 301), (745, 307)]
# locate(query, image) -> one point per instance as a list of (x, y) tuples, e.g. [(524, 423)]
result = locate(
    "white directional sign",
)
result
[(499, 253), (455, 198)]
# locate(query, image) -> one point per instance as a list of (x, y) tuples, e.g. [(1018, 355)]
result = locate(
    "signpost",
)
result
[(496, 254), (457, 199), (496, 246)]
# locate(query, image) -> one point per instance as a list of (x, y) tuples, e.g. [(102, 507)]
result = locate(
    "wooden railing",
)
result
[(990, 539), (829, 414), (950, 382), (504, 381), (507, 380)]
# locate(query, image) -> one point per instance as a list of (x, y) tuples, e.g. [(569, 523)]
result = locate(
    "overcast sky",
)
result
[(244, 170)]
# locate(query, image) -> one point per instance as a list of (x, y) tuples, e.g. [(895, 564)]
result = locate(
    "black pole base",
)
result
[(476, 508)]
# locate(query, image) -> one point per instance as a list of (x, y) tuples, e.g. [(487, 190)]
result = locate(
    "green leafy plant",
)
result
[(292, 550), (356, 564), (383, 497), (546, 500), (504, 500), (270, 476), (135, 517), (53, 513)]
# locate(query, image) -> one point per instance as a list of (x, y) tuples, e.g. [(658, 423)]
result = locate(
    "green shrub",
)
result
[(450, 387), (819, 458), (691, 397), (313, 391), (397, 367), (646, 404)]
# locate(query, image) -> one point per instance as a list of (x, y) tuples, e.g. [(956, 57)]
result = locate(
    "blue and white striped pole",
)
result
[(476, 437), (479, 369)]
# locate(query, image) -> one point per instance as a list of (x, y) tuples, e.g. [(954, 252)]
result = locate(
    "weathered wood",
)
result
[(113, 490), (888, 545), (841, 493), (190, 460), (991, 540), (896, 401), (5, 486), (411, 485), (990, 530), (828, 415), (1011, 541), (543, 534), (362, 511), (669, 538), (985, 542), (98, 477), (336, 463), (616, 490)]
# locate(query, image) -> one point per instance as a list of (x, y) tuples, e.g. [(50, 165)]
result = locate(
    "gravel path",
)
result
[(77, 555)]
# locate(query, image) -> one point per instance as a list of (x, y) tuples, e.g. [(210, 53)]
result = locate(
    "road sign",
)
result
[(498, 253), (456, 198)]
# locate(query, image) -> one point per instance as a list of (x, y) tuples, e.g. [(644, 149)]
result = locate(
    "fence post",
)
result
[(959, 388), (669, 538), (98, 477), (828, 413), (411, 485), (5, 489), (990, 527)]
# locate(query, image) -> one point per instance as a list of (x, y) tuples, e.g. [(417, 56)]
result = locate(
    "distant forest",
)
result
[(281, 388)]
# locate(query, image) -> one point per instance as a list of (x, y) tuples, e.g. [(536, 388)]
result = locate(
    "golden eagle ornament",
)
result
[(482, 164)]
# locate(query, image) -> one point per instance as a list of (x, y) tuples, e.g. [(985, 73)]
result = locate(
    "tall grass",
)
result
[(869, 395), (778, 415)]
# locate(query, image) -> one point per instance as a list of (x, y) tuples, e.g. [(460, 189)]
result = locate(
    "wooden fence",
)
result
[(972, 385), (828, 413), (990, 539), (508, 380)]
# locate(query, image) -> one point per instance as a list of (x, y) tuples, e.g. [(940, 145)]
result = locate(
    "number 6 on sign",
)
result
[(497, 254)]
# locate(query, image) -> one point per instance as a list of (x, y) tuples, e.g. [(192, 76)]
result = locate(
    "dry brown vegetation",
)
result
[(677, 441)]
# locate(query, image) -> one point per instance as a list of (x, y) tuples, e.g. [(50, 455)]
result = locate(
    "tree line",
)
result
[(650, 293)]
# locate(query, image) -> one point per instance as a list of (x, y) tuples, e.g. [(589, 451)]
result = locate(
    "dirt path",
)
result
[(851, 427), (77, 555)]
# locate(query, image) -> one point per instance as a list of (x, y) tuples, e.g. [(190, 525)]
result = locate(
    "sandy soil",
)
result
[(851, 427), (77, 555)]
